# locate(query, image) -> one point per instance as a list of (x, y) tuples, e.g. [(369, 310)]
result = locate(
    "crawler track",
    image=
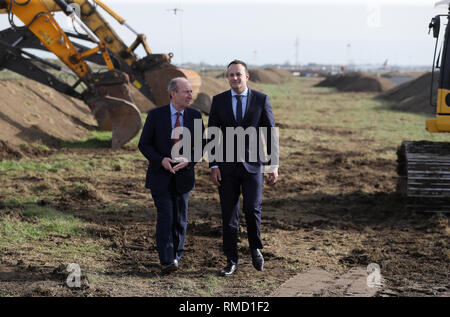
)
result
[(424, 175)]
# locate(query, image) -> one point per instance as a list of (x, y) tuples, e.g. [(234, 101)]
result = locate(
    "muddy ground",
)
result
[(334, 209)]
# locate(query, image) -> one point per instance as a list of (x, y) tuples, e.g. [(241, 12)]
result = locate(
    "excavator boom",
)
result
[(151, 74), (108, 93)]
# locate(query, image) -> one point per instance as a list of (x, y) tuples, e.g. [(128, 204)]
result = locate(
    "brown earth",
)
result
[(34, 113), (269, 75), (302, 228), (340, 213), (266, 75), (211, 86), (357, 82), (214, 84), (413, 96), (142, 102)]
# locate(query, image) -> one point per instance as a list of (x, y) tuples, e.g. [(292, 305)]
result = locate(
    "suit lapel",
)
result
[(229, 108), (168, 125), (188, 122)]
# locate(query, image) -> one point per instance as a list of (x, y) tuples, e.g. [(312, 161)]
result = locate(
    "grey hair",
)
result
[(173, 85)]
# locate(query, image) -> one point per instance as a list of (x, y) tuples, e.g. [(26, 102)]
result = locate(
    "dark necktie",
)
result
[(238, 109), (177, 135)]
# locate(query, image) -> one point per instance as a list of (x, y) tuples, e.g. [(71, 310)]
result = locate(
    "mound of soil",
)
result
[(10, 151), (413, 96), (34, 113), (266, 75), (357, 82), (142, 102), (210, 87), (269, 75)]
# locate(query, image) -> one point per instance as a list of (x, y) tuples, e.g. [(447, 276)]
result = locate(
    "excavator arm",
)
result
[(106, 92), (150, 74)]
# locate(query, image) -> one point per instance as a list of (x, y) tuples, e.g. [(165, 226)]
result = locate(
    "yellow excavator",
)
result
[(107, 92), (423, 166)]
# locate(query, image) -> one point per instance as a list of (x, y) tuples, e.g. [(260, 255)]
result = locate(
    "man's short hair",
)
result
[(173, 86), (237, 62)]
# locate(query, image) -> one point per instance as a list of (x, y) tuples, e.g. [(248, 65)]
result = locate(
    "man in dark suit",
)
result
[(246, 109), (170, 177)]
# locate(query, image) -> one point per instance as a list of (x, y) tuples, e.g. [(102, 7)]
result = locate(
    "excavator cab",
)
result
[(423, 166), (441, 123)]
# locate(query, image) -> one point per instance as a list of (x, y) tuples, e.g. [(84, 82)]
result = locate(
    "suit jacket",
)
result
[(258, 113), (156, 143)]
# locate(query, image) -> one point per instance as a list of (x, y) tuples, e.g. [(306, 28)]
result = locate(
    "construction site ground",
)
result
[(333, 214)]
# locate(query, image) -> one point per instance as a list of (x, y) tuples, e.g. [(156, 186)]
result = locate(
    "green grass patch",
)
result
[(37, 223), (299, 104), (210, 285), (99, 139), (38, 166), (54, 164), (47, 232)]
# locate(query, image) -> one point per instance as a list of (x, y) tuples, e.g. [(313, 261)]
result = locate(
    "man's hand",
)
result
[(182, 163), (215, 176), (273, 176), (166, 164)]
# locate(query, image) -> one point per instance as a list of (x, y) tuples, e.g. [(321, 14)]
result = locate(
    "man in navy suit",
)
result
[(170, 179), (241, 108)]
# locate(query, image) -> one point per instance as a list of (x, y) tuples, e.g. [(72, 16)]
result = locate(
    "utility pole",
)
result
[(297, 46), (175, 11), (349, 54)]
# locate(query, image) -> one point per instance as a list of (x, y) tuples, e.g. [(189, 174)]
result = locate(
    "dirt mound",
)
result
[(357, 82), (269, 75), (210, 87), (142, 102), (266, 75), (10, 151), (34, 113), (413, 96)]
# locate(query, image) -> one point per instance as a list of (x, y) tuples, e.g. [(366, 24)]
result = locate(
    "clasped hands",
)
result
[(167, 164)]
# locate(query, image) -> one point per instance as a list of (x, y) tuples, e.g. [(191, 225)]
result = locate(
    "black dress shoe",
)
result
[(257, 259), (169, 268), (228, 270)]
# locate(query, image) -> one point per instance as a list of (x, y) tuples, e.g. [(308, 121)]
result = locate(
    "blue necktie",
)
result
[(238, 109)]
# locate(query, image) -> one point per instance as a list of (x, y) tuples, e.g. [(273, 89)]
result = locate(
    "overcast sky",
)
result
[(266, 31)]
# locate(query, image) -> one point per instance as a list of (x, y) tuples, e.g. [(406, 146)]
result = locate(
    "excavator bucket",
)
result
[(120, 116), (114, 108), (158, 80)]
